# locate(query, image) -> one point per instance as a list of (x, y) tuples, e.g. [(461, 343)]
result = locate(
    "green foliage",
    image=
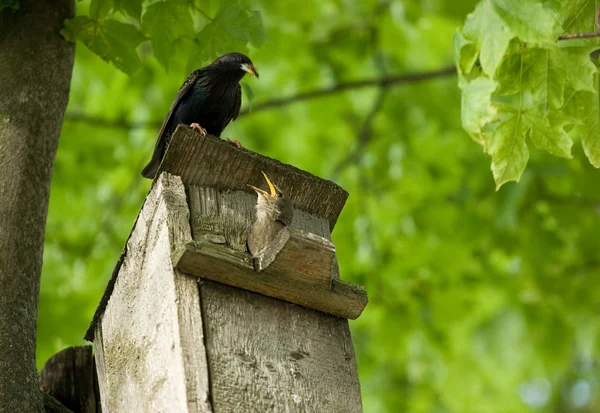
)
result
[(9, 4), (480, 300), (520, 82), (110, 39), (112, 31)]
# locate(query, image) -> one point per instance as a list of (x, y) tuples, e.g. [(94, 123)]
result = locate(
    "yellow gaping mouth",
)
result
[(273, 193)]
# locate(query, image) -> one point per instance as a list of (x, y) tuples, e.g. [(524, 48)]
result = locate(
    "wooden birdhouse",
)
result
[(188, 324)]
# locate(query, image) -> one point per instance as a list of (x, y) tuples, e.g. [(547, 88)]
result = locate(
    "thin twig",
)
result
[(588, 35), (579, 36), (385, 81)]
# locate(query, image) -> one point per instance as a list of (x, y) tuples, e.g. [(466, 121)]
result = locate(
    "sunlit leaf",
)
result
[(477, 109), (114, 41), (232, 28), (509, 151), (164, 22), (491, 34)]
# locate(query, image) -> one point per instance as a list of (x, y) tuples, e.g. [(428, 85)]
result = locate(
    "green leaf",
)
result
[(233, 28), (466, 53), (133, 8), (509, 150), (547, 72), (110, 39), (491, 35), (579, 70), (100, 8), (529, 20), (165, 22), (477, 109), (545, 76), (548, 133), (586, 107)]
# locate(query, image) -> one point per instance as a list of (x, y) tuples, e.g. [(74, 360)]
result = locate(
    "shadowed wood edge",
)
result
[(209, 161), (234, 268)]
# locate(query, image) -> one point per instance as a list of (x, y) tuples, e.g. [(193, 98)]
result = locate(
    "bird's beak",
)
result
[(273, 193), (250, 69)]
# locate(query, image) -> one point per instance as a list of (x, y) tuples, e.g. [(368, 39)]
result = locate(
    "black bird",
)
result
[(208, 100), (273, 212)]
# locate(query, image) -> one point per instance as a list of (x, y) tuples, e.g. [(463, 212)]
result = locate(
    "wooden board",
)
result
[(213, 163), (70, 377), (269, 356), (149, 339), (224, 265), (225, 217), (265, 354)]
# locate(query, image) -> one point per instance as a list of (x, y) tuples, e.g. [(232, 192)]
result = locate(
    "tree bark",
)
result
[(35, 74)]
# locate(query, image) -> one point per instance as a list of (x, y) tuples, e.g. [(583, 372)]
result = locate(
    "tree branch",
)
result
[(384, 81)]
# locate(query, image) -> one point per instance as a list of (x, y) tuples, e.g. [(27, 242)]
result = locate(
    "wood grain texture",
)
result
[(269, 356), (224, 265), (213, 163), (225, 217), (70, 377), (149, 341), (265, 354)]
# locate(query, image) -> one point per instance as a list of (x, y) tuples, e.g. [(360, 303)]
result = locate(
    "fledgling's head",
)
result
[(273, 205), (235, 65)]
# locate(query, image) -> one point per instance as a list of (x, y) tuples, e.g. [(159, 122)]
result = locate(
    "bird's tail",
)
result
[(152, 168)]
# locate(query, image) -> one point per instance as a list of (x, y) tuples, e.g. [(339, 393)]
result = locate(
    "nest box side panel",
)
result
[(149, 339)]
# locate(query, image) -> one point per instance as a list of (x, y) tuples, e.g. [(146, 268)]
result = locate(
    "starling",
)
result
[(208, 100), (273, 212)]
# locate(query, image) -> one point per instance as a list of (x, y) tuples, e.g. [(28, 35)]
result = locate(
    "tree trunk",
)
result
[(35, 74)]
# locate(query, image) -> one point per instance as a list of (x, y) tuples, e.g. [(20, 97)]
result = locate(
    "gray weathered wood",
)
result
[(226, 216), (149, 339), (158, 336), (227, 266), (269, 356), (213, 163), (70, 377), (265, 354)]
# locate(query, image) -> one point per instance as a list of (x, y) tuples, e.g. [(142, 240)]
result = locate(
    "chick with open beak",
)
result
[(273, 212)]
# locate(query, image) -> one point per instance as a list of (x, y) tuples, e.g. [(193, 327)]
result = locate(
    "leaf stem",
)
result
[(588, 35)]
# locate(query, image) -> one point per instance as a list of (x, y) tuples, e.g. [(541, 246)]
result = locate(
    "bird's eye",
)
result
[(279, 195)]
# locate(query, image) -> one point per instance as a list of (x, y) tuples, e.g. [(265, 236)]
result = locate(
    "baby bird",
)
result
[(273, 212)]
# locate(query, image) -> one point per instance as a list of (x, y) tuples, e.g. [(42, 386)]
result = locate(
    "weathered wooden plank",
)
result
[(149, 338), (70, 377), (225, 217), (270, 356), (227, 266), (213, 163), (248, 334)]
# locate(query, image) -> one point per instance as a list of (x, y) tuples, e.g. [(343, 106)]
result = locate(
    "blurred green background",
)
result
[(480, 301)]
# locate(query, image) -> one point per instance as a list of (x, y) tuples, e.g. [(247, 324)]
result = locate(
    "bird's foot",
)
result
[(198, 128), (234, 141)]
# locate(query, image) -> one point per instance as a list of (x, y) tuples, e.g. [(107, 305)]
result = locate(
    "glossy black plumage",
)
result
[(210, 97)]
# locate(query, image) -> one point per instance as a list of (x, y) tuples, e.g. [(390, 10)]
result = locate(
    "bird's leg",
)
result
[(198, 128), (234, 141)]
